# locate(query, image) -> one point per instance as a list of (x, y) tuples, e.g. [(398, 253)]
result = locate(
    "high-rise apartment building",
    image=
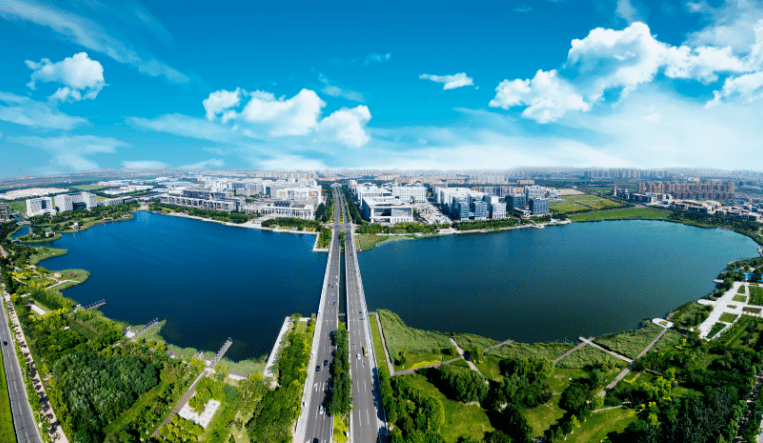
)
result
[(73, 202), (539, 206)]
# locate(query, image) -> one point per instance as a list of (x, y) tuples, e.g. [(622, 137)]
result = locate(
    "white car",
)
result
[(357, 355)]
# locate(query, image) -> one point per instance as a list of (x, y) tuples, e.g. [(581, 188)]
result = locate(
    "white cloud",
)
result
[(78, 73), (144, 164), (70, 153), (336, 91), (732, 24), (546, 96), (85, 32), (746, 88), (450, 81), (220, 101), (523, 8), (376, 58), (347, 126), (608, 59), (626, 11), (294, 116), (183, 126), (206, 164), (27, 112)]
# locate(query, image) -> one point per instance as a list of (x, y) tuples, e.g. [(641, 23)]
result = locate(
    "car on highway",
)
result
[(357, 355), (325, 363), (5, 343), (318, 368)]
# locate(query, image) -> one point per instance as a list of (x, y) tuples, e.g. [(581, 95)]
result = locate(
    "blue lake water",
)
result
[(211, 281), (556, 283)]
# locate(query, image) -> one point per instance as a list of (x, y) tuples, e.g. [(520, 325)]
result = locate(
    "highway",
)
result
[(319, 427), (367, 420), (23, 420)]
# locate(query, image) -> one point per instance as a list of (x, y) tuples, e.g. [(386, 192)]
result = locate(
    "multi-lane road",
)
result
[(367, 416), (23, 420), (319, 426)]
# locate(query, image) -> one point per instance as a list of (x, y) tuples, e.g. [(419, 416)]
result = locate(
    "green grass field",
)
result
[(728, 317), (17, 205), (740, 298), (419, 346), (588, 355), (718, 327), (548, 350), (566, 207), (756, 295), (7, 432), (544, 416), (742, 290), (490, 368), (368, 241), (630, 344), (466, 341), (381, 359), (670, 338), (621, 214), (461, 420), (599, 424), (593, 201), (45, 252)]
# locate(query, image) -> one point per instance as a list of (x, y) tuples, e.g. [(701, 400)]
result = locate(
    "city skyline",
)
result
[(534, 84)]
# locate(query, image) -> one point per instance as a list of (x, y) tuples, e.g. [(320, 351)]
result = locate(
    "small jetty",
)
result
[(133, 335), (222, 351), (95, 305)]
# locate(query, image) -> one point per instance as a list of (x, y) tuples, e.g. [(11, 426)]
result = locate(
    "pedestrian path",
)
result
[(627, 370), (181, 403), (576, 348), (461, 353), (723, 304), (498, 345), (612, 353)]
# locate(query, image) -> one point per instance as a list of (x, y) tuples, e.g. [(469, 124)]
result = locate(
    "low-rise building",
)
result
[(117, 201), (5, 213), (202, 199), (284, 208)]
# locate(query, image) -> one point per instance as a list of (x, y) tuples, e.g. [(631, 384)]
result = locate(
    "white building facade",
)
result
[(40, 206)]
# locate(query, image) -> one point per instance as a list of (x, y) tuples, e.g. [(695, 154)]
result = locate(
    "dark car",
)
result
[(5, 343), (318, 368), (325, 363)]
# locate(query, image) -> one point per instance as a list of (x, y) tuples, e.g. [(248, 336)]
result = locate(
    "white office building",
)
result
[(534, 192), (389, 210), (40, 206), (71, 202), (415, 194)]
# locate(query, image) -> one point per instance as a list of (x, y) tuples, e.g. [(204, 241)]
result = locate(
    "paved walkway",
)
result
[(720, 306), (461, 353), (56, 432), (384, 344), (627, 370), (181, 403), (612, 353), (498, 345), (576, 348)]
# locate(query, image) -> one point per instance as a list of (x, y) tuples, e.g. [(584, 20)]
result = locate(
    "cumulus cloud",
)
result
[(71, 153), (732, 24), (281, 116), (206, 164), (450, 81), (220, 101), (547, 96), (608, 59), (747, 88), (348, 126), (82, 77), (27, 112), (144, 164), (86, 32)]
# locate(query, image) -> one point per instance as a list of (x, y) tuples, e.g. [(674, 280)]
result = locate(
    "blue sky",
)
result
[(302, 85)]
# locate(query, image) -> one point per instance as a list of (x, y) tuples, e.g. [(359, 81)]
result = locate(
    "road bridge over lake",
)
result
[(367, 421)]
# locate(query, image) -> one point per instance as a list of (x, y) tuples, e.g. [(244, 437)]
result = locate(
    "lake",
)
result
[(211, 282), (557, 283)]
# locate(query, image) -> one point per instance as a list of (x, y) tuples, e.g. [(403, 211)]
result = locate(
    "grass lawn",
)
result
[(593, 201), (566, 207), (7, 432), (461, 363), (669, 339), (368, 241), (460, 420), (491, 369), (381, 359), (728, 317), (630, 344), (466, 341), (587, 355), (742, 290), (600, 424), (245, 366), (756, 295), (718, 327), (45, 252), (419, 346), (740, 298), (548, 350), (544, 416), (562, 377), (17, 205), (621, 214)]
